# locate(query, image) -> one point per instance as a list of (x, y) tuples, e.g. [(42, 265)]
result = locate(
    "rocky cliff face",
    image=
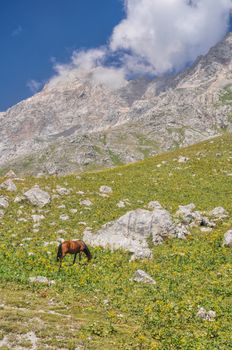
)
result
[(76, 123)]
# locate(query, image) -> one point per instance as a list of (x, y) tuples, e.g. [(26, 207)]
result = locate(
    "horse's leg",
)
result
[(80, 256), (74, 260), (61, 258)]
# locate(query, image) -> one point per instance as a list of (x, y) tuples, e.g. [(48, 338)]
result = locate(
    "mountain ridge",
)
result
[(76, 124)]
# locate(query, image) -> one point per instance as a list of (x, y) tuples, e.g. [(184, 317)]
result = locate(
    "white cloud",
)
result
[(34, 85), (89, 65), (154, 38), (168, 34)]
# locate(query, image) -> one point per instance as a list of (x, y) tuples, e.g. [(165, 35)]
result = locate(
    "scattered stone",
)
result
[(64, 217), (154, 205), (86, 203), (206, 229), (62, 191), (62, 206), (82, 223), (37, 218), (73, 211), (105, 189), (81, 193), (219, 213), (183, 159), (22, 220), (2, 213), (4, 202), (36, 225), (18, 199), (61, 232), (8, 185), (11, 174), (141, 276), (206, 315), (37, 197), (227, 242), (121, 204), (141, 255), (41, 279), (35, 230)]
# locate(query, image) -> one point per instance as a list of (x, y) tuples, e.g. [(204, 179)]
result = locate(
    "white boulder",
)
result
[(141, 276), (227, 242), (37, 197)]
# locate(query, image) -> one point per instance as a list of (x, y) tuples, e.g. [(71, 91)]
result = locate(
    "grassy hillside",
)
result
[(96, 305)]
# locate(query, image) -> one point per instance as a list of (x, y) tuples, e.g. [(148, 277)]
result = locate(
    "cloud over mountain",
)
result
[(155, 37)]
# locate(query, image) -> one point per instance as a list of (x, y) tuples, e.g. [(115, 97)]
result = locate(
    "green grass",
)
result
[(191, 273)]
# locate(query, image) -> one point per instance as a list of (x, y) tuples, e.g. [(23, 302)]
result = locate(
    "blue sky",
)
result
[(34, 32)]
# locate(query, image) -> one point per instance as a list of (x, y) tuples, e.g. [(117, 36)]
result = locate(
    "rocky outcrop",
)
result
[(71, 125), (132, 230)]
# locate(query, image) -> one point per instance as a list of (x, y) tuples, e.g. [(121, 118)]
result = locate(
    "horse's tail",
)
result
[(59, 252), (87, 252)]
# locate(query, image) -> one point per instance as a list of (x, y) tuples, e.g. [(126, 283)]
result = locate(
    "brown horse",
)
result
[(72, 247)]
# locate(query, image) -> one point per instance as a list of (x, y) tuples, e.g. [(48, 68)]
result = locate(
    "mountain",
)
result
[(76, 123)]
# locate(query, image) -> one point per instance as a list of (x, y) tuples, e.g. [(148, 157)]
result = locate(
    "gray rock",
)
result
[(141, 255), (206, 315), (132, 230), (62, 191), (4, 202), (121, 204), (182, 159), (64, 217), (37, 197), (182, 231), (8, 185), (61, 232), (41, 279), (19, 199), (11, 174), (188, 216), (142, 277), (2, 213), (86, 202), (73, 211), (154, 205), (219, 213), (37, 218), (105, 189), (227, 242)]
